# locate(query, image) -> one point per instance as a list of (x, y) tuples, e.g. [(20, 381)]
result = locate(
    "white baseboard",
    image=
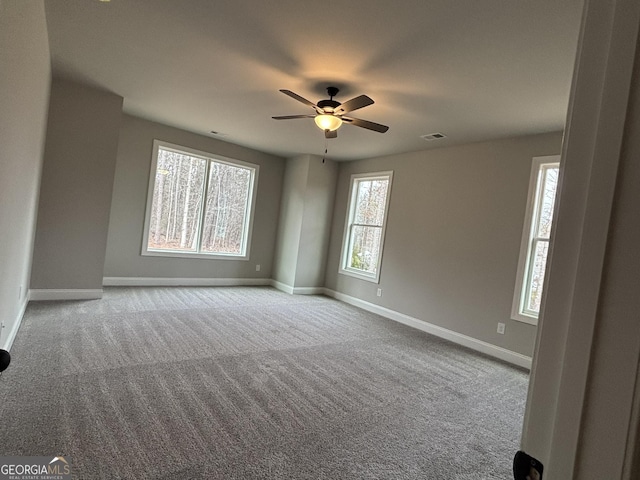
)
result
[(7, 342), (64, 294), (283, 287), (182, 282), (455, 337), (308, 290), (297, 290)]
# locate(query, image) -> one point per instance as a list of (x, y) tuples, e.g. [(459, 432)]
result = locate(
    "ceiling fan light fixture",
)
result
[(328, 114), (328, 122)]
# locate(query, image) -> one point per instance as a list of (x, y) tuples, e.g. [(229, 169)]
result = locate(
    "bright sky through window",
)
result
[(364, 232), (536, 238), (198, 204)]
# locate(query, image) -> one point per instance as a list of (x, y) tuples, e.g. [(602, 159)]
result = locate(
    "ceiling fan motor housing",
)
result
[(332, 104)]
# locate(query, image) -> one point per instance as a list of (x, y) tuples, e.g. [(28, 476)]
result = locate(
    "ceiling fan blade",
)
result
[(376, 127), (353, 104), (289, 117), (297, 97), (331, 134)]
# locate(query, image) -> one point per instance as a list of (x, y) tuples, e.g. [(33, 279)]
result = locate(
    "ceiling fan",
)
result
[(330, 114)]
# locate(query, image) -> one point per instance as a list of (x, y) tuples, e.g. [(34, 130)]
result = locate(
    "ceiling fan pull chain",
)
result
[(326, 148)]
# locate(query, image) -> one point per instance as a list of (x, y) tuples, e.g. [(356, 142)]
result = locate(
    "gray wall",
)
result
[(453, 236), (290, 222), (316, 222), (305, 221), (24, 99), (77, 181), (126, 225)]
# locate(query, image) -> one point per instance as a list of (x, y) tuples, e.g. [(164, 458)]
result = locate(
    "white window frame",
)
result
[(527, 243), (251, 204), (349, 223)]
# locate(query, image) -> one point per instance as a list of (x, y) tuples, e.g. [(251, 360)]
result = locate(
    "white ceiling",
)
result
[(471, 69)]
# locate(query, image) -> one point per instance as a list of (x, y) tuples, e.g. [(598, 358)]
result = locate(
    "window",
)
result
[(198, 204), (365, 225), (535, 239)]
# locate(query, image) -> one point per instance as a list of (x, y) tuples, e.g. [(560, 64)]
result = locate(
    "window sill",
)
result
[(368, 278), (518, 317), (199, 256)]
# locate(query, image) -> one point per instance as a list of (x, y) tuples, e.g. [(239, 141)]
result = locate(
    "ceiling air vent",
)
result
[(433, 136)]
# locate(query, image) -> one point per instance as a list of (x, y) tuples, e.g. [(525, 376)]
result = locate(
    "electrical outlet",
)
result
[(379, 292), (257, 267), (501, 328)]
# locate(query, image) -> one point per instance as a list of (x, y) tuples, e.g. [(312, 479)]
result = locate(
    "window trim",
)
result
[(526, 242), (253, 190), (346, 237)]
